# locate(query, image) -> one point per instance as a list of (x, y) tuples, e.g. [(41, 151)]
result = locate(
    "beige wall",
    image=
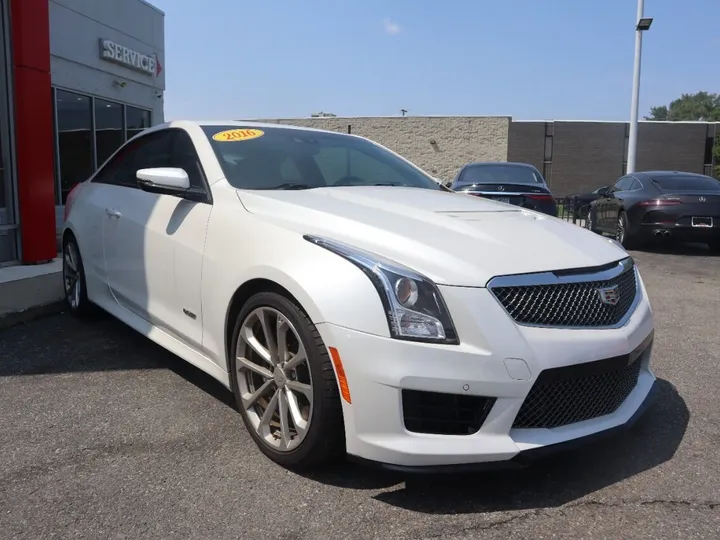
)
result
[(458, 139)]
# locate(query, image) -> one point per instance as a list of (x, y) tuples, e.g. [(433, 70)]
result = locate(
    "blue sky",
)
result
[(530, 59)]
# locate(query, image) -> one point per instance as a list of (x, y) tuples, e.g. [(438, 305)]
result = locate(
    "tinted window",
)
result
[(623, 184), (680, 183), (498, 174), (635, 184), (271, 157), (153, 150)]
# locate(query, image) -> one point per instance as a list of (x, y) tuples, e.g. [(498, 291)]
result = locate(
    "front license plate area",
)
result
[(702, 222)]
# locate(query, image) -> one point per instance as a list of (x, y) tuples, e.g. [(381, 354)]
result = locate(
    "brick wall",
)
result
[(574, 156), (526, 143), (586, 155), (672, 147), (458, 140)]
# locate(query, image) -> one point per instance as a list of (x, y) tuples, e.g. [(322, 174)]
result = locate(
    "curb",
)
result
[(27, 315)]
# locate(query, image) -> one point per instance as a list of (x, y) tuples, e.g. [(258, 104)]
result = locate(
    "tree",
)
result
[(701, 106)]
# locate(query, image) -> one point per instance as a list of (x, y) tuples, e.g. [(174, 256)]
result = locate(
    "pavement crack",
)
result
[(712, 505)]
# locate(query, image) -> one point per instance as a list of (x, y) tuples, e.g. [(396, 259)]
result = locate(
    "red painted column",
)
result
[(34, 140)]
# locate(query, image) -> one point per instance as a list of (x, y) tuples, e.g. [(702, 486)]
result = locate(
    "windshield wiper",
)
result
[(291, 185)]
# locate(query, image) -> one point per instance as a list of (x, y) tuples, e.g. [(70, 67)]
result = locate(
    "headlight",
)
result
[(413, 304)]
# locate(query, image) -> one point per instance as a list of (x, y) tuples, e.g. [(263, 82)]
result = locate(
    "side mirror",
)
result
[(163, 178), (168, 181), (603, 190)]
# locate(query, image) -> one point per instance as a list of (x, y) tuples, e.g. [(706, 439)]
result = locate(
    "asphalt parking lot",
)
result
[(105, 435)]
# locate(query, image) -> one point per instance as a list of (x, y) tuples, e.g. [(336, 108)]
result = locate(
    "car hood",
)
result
[(453, 239)]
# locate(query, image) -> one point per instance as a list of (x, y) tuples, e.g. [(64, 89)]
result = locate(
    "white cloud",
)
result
[(391, 28)]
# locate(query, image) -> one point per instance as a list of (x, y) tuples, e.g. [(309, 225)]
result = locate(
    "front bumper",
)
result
[(496, 358)]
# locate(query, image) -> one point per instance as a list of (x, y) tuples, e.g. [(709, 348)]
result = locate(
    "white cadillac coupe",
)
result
[(353, 304)]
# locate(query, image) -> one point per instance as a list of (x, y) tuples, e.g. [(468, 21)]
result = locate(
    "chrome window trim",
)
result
[(580, 276)]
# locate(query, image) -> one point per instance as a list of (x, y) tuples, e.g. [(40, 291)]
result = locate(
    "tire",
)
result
[(74, 283), (321, 439), (621, 234), (589, 225), (714, 246)]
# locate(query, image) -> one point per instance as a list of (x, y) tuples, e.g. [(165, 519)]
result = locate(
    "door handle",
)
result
[(113, 213)]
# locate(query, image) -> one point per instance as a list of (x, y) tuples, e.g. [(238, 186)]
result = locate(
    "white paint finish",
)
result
[(169, 177), (170, 232), (164, 255), (453, 239)]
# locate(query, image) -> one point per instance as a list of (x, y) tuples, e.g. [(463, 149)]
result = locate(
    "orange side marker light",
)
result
[(342, 379)]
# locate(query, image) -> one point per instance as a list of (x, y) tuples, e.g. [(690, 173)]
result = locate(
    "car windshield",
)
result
[(680, 183), (289, 158), (498, 174)]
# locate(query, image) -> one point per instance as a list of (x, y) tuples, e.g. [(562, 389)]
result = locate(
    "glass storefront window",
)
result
[(108, 128), (78, 138), (136, 120), (75, 148)]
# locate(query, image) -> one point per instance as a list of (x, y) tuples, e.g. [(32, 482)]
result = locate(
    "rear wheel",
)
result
[(284, 383), (621, 232), (714, 246), (74, 279)]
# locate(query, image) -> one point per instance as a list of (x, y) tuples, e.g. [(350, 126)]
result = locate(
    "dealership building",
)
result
[(78, 78)]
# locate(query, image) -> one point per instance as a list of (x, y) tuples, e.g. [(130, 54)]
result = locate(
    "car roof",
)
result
[(665, 174), (500, 164), (236, 123)]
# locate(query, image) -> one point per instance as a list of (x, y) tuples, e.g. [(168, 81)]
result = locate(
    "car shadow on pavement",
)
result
[(553, 482), (62, 344)]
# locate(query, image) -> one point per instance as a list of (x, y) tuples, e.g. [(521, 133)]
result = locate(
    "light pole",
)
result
[(642, 24)]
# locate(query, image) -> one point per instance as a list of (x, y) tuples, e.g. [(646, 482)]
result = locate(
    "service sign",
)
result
[(119, 54)]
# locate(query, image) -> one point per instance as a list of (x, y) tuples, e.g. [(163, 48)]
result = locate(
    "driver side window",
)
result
[(152, 150)]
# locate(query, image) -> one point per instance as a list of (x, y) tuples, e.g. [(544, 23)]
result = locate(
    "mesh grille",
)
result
[(569, 304), (444, 414), (562, 396)]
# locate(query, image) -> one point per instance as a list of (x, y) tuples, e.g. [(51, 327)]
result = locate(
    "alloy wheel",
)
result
[(71, 275), (274, 380), (620, 232)]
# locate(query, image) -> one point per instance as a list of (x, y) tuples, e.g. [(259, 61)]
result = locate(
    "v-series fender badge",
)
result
[(113, 52)]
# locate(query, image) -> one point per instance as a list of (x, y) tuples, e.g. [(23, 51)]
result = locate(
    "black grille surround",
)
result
[(569, 299), (444, 414), (570, 394)]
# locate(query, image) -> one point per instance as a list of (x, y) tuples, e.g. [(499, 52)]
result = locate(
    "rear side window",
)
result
[(680, 183), (623, 184)]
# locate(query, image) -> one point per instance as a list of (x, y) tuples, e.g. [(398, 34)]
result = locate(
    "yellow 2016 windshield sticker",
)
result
[(233, 135)]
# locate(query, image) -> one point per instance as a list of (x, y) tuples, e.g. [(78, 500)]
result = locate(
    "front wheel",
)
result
[(589, 221), (284, 383)]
